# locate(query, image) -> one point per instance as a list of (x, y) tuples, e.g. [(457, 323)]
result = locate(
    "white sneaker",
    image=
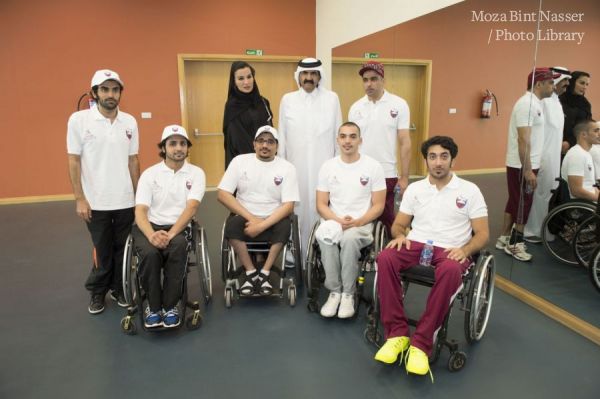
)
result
[(346, 309), (502, 242), (518, 251), (331, 306)]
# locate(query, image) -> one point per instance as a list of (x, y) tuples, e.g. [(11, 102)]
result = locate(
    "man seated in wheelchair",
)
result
[(265, 188), (350, 196), (578, 166), (168, 195), (451, 212)]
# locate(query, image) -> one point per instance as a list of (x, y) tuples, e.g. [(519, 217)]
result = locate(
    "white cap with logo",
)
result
[(173, 130), (267, 129), (103, 75)]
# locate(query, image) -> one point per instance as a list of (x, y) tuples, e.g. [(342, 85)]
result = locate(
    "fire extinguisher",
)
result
[(488, 102)]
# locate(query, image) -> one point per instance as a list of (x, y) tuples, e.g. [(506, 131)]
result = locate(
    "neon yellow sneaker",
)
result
[(393, 347), (417, 362)]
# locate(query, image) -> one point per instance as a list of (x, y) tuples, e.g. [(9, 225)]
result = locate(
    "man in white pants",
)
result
[(308, 121), (550, 162), (350, 196)]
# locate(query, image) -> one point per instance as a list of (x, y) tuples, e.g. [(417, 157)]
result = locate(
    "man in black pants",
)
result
[(168, 196), (102, 146)]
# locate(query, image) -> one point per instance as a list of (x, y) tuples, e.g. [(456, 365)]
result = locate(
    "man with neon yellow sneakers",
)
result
[(450, 211)]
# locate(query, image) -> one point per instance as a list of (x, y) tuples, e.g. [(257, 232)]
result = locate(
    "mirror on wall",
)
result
[(466, 50)]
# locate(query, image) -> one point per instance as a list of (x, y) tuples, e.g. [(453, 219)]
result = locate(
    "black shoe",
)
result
[(96, 304), (119, 297)]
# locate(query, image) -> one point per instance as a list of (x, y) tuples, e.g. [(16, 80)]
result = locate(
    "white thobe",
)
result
[(308, 124), (549, 164)]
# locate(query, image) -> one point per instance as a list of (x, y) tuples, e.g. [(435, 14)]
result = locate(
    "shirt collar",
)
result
[(164, 168), (453, 183), (99, 116)]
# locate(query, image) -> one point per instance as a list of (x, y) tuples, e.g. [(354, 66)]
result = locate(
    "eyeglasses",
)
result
[(267, 141)]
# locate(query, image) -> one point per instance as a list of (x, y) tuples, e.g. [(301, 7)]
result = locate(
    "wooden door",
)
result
[(204, 81), (407, 79)]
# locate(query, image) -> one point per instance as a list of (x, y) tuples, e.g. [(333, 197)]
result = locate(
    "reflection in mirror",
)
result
[(482, 45)]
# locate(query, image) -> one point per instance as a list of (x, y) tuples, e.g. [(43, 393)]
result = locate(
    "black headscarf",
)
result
[(244, 114), (576, 108), (238, 102)]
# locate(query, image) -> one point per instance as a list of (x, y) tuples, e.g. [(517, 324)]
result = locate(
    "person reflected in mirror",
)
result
[(550, 163), (453, 214), (245, 111), (384, 120), (308, 121), (578, 165), (576, 107), (523, 156), (350, 196)]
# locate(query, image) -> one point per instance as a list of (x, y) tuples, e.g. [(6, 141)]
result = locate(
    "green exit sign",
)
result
[(254, 51), (371, 55)]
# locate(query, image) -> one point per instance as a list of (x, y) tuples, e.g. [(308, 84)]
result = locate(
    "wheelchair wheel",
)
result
[(594, 268), (296, 248), (225, 255), (228, 297), (380, 238), (193, 321), (560, 225), (291, 294), (128, 325), (127, 273), (311, 266), (203, 266), (586, 240), (480, 296), (457, 361)]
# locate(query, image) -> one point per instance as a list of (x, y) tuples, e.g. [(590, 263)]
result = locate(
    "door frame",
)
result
[(426, 90)]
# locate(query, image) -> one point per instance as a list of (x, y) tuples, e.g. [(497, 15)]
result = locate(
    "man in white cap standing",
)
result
[(384, 120), (554, 120), (167, 198), (266, 189), (308, 121), (102, 146)]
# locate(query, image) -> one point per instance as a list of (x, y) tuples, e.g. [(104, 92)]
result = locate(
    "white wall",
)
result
[(341, 21)]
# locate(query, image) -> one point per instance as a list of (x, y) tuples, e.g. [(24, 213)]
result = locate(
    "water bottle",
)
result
[(426, 254), (397, 198)]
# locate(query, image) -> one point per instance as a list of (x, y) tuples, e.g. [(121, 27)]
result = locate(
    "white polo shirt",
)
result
[(443, 216), (167, 192), (104, 148), (350, 184), (261, 186), (379, 123), (528, 111), (579, 162)]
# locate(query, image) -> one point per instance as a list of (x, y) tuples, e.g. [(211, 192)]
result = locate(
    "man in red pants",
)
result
[(451, 212)]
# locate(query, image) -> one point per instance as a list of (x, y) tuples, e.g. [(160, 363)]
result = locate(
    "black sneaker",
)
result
[(96, 304), (119, 298)]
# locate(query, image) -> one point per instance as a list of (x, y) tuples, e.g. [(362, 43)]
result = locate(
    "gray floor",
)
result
[(52, 348)]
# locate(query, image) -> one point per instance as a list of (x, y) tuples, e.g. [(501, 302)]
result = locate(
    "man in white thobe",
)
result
[(308, 123), (550, 162)]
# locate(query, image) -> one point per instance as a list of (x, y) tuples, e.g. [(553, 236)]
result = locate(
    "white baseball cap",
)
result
[(267, 129), (103, 75), (173, 130)]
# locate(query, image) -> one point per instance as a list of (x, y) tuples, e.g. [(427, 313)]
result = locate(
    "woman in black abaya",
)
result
[(575, 106), (245, 111)]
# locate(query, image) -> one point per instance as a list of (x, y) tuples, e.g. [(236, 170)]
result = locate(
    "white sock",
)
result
[(265, 272)]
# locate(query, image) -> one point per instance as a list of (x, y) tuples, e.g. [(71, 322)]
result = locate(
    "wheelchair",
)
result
[(315, 272), (594, 268), (475, 300), (197, 256), (566, 228), (231, 272)]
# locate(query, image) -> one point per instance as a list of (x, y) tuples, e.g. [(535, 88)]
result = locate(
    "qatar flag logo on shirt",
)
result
[(393, 112), (364, 180), (461, 202), (129, 133), (188, 184), (278, 180)]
